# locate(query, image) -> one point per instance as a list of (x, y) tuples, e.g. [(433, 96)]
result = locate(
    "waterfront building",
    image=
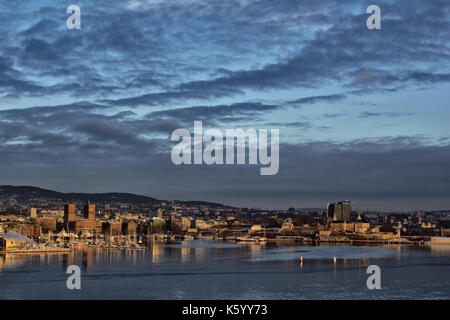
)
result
[(176, 224), (89, 224), (13, 240), (86, 226), (112, 228), (339, 211), (330, 210), (186, 223), (129, 228), (158, 225), (69, 215), (287, 225), (344, 226), (361, 227), (145, 228), (30, 230), (200, 224), (89, 211), (46, 224)]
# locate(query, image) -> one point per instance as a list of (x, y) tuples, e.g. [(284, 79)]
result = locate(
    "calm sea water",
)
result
[(216, 270)]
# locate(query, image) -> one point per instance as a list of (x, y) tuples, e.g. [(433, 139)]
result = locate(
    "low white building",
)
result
[(255, 228)]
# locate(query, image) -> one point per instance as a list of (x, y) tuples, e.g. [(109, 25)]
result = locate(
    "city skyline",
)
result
[(327, 206), (362, 113)]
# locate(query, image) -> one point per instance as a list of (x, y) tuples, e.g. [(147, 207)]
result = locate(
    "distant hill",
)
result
[(25, 193)]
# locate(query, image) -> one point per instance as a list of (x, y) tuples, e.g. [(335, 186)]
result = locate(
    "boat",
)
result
[(246, 239)]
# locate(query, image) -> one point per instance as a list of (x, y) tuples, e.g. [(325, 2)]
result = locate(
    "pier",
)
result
[(34, 251)]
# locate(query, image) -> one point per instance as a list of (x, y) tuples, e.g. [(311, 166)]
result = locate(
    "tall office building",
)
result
[(89, 211), (345, 205), (339, 211), (330, 210), (69, 213)]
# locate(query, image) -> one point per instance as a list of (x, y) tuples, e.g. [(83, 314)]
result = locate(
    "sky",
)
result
[(363, 114)]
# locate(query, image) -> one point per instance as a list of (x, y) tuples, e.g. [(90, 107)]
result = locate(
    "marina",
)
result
[(208, 269)]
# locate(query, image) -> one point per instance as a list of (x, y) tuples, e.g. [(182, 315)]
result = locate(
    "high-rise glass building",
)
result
[(339, 211)]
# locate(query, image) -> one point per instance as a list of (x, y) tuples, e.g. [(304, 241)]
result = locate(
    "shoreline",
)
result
[(34, 251)]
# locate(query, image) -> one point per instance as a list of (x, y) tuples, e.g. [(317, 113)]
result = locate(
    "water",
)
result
[(217, 270)]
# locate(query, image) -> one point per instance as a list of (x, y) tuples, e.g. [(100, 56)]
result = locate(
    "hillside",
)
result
[(23, 194)]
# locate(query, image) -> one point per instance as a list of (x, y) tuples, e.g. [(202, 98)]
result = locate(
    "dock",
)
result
[(34, 251)]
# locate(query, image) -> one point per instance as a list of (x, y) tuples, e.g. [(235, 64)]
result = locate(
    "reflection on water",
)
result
[(204, 269)]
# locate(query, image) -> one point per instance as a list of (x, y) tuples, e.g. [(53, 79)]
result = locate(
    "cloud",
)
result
[(377, 173), (296, 124), (206, 50), (369, 114), (215, 113), (137, 70), (316, 99), (155, 99)]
